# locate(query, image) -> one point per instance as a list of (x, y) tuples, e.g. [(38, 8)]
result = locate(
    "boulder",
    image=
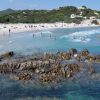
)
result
[(91, 71), (7, 54), (68, 56), (72, 51), (98, 58), (70, 69), (84, 53)]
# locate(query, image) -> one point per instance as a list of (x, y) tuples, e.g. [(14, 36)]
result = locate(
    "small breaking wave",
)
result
[(84, 41), (47, 32), (82, 36), (10, 42)]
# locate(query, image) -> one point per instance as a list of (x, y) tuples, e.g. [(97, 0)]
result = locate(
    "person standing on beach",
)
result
[(9, 30)]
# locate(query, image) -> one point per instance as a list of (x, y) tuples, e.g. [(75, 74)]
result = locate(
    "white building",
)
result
[(96, 13), (75, 16), (92, 17), (81, 13), (81, 8)]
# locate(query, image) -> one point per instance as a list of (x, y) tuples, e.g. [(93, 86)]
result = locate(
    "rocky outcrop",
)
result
[(47, 68), (84, 53), (47, 71), (91, 71), (7, 55), (97, 58), (73, 51)]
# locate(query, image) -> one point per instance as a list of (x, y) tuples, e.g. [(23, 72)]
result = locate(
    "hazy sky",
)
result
[(47, 4)]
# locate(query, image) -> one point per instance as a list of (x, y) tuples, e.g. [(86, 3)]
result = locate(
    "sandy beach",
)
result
[(23, 27)]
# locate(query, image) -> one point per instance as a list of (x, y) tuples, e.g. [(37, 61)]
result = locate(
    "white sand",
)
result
[(20, 27)]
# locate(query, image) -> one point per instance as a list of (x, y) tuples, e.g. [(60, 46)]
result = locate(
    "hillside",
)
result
[(7, 11), (67, 14)]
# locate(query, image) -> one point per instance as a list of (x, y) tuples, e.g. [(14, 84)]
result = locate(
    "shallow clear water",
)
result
[(61, 39), (52, 40)]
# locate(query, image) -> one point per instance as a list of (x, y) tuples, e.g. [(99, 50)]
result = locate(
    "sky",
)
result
[(47, 4)]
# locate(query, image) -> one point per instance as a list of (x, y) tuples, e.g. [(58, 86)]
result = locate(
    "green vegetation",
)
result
[(47, 16)]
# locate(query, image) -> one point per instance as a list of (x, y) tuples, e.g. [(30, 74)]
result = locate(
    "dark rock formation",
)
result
[(72, 51), (47, 68), (7, 55)]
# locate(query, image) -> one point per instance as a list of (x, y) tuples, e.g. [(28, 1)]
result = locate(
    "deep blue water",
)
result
[(82, 89), (50, 41)]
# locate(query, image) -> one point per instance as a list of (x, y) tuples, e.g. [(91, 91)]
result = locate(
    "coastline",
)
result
[(23, 27)]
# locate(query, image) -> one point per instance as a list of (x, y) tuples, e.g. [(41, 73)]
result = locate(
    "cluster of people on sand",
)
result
[(16, 28)]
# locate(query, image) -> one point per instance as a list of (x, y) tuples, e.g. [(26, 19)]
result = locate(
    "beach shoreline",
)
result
[(24, 27)]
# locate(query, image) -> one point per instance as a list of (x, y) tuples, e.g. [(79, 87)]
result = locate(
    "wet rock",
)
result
[(46, 78), (23, 66), (84, 53), (91, 58), (24, 76), (91, 71), (98, 58), (72, 51), (71, 69), (95, 76), (4, 68), (68, 56), (50, 67), (7, 55), (37, 71)]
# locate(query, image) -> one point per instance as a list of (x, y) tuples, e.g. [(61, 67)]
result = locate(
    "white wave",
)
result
[(10, 42), (82, 33), (81, 36), (84, 41), (47, 32)]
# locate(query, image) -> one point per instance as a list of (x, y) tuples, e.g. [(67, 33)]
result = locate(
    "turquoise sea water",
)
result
[(51, 41), (82, 89)]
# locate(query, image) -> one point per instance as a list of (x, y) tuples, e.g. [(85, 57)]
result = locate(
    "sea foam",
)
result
[(82, 36)]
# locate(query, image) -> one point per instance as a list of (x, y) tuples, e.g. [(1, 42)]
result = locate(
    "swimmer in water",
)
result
[(50, 35), (33, 35), (41, 34)]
